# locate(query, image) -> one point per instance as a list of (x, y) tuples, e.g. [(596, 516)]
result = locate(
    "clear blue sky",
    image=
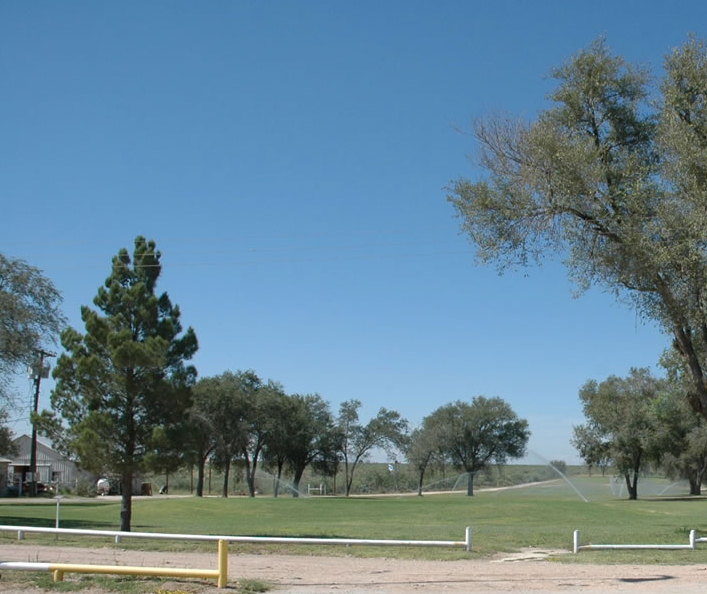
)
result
[(290, 160)]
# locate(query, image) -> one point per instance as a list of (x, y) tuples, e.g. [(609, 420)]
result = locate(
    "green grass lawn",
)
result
[(539, 516)]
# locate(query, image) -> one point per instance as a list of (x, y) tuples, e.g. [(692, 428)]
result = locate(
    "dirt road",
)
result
[(294, 574)]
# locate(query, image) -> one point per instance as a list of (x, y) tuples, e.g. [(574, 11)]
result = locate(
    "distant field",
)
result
[(541, 515)]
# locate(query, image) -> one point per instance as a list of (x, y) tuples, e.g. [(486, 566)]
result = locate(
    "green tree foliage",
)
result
[(263, 406), (619, 416), (124, 381), (7, 447), (592, 447), (241, 413), (168, 451), (424, 447), (225, 402), (199, 439), (29, 314), (30, 319), (681, 436), (387, 430), (301, 430), (475, 435), (276, 447), (559, 465), (681, 440), (329, 459), (613, 180), (419, 453)]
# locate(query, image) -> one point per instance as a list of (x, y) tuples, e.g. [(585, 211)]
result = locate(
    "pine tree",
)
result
[(124, 382)]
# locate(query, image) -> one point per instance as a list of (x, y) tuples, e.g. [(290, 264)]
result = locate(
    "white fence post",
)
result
[(692, 538), (467, 538), (575, 542)]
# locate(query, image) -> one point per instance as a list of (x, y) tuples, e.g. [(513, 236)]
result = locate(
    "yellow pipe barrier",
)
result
[(222, 563), (221, 574)]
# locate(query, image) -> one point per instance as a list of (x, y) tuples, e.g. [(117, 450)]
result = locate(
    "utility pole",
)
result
[(39, 372)]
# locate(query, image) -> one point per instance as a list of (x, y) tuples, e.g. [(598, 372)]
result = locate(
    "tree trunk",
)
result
[(250, 477), (126, 501), (226, 472), (419, 483), (695, 486), (251, 470), (200, 478), (632, 487), (347, 480), (276, 486), (699, 475), (470, 485), (296, 480)]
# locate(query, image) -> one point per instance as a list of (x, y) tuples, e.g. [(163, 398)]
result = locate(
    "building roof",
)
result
[(24, 447)]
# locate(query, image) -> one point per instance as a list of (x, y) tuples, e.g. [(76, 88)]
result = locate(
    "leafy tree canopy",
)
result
[(620, 422), (681, 445), (30, 318), (474, 435), (615, 181), (387, 430)]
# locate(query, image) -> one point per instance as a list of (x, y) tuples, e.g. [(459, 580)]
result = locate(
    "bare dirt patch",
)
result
[(294, 574)]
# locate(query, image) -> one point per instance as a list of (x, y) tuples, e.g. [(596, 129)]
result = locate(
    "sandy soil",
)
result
[(293, 574)]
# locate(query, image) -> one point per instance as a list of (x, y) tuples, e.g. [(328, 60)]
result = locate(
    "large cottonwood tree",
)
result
[(126, 376), (613, 176)]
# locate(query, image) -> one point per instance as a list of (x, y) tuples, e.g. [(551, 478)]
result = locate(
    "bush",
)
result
[(85, 488), (559, 465)]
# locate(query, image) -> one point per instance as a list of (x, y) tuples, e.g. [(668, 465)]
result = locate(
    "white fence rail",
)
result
[(577, 547), (118, 535)]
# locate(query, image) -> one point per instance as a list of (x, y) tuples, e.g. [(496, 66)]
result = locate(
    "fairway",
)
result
[(541, 515)]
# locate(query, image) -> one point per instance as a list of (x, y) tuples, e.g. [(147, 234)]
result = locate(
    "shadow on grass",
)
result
[(682, 499), (50, 522), (52, 502)]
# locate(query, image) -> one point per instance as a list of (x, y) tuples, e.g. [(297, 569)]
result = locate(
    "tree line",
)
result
[(127, 401), (641, 422)]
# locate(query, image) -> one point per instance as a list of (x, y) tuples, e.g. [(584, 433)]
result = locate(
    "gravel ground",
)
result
[(294, 574)]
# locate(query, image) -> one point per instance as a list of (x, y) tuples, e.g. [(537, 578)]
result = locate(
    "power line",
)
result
[(237, 263)]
